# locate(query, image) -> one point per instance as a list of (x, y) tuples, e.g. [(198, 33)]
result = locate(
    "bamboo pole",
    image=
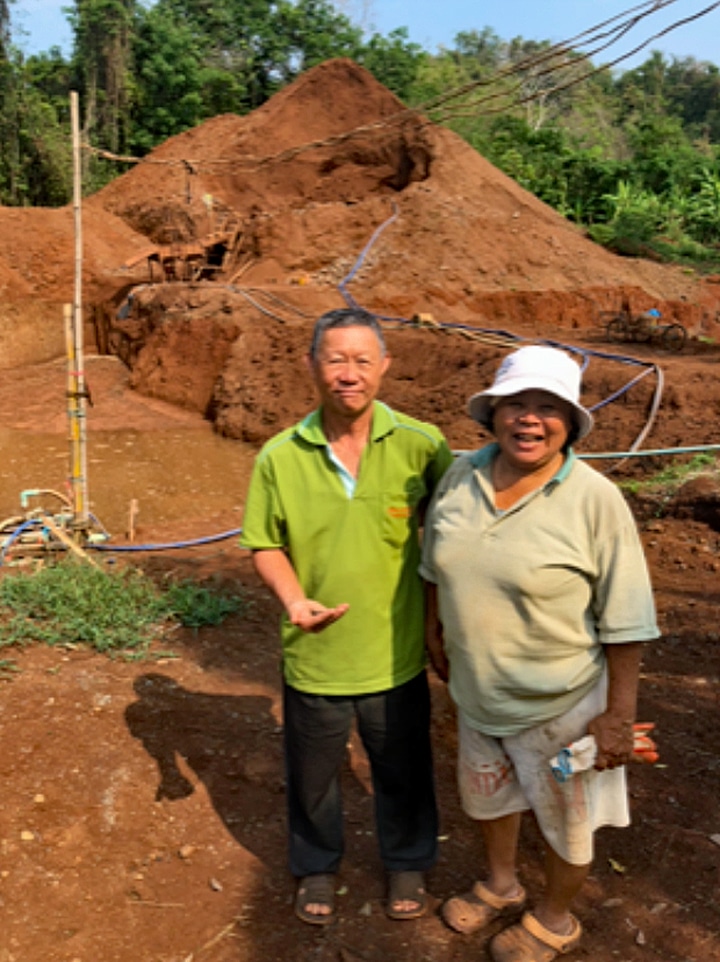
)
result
[(79, 428), (76, 470), (65, 539)]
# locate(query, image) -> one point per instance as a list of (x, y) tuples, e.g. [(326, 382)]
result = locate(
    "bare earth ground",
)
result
[(142, 813)]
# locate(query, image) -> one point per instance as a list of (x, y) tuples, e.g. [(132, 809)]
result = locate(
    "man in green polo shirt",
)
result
[(332, 518)]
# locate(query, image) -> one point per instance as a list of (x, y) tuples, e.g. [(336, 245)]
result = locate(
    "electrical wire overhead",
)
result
[(553, 60), (502, 90)]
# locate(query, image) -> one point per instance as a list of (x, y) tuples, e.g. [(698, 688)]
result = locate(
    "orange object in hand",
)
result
[(644, 748), (581, 755)]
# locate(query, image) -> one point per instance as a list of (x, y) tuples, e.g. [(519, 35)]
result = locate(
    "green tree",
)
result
[(35, 161), (168, 79), (264, 44), (394, 60), (8, 131), (435, 76), (693, 95), (663, 156), (102, 32), (645, 85), (311, 31), (482, 52), (10, 161), (703, 213), (4, 30)]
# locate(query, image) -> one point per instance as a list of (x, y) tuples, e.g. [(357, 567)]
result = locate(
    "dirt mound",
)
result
[(290, 195), (37, 275), (252, 165), (315, 171), (450, 237)]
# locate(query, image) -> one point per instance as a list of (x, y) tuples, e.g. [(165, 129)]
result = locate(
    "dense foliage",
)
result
[(633, 156)]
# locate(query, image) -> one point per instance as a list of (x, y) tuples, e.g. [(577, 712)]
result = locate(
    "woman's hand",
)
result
[(614, 738), (613, 730)]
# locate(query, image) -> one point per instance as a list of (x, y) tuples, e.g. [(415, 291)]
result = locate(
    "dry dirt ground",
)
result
[(142, 813)]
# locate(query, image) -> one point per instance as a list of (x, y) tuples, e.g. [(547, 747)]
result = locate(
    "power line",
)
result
[(550, 61), (568, 51)]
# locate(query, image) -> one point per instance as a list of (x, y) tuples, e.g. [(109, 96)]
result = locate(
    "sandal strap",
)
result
[(406, 886), (499, 902), (317, 888), (561, 943)]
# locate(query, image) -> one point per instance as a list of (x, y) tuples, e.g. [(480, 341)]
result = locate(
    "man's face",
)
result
[(348, 370)]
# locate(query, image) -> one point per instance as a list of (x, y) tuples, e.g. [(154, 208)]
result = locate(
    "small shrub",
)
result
[(195, 606)]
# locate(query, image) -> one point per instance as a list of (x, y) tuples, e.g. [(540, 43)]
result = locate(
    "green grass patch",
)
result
[(196, 606), (673, 477), (8, 668), (118, 610)]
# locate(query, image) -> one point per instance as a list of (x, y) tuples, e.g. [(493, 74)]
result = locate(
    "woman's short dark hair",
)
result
[(345, 317)]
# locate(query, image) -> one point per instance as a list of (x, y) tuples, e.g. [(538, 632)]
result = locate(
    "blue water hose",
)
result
[(167, 546), (648, 453), (349, 299), (106, 546), (14, 535)]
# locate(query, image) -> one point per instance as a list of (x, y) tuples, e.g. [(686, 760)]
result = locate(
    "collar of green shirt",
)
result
[(310, 428)]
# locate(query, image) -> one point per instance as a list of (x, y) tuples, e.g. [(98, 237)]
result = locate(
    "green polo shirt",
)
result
[(528, 597), (362, 549)]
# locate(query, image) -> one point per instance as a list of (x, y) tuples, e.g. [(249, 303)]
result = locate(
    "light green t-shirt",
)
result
[(361, 549), (529, 596)]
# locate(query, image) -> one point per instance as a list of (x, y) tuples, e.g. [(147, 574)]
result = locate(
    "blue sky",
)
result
[(38, 24), (432, 23)]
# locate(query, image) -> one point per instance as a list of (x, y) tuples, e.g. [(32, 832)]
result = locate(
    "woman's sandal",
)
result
[(530, 941), (477, 908), (406, 887), (315, 890)]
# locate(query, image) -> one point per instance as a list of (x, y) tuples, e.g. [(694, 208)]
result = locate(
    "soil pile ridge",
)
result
[(464, 229), (253, 165), (466, 243)]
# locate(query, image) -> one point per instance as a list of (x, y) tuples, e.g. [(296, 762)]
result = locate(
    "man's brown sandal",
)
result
[(477, 908), (315, 890), (406, 887)]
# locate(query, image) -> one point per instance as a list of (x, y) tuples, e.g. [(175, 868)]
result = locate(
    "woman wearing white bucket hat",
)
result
[(538, 604)]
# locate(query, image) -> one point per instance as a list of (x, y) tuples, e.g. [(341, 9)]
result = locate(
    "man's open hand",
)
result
[(311, 616)]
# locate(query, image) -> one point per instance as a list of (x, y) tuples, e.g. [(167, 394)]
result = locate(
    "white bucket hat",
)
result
[(534, 368)]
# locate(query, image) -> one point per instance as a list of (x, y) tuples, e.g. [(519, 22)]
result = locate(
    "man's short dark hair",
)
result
[(345, 317)]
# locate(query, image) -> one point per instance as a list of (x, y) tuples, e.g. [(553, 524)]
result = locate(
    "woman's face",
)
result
[(532, 428)]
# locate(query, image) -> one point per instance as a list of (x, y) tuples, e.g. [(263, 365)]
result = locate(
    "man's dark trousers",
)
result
[(394, 726)]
